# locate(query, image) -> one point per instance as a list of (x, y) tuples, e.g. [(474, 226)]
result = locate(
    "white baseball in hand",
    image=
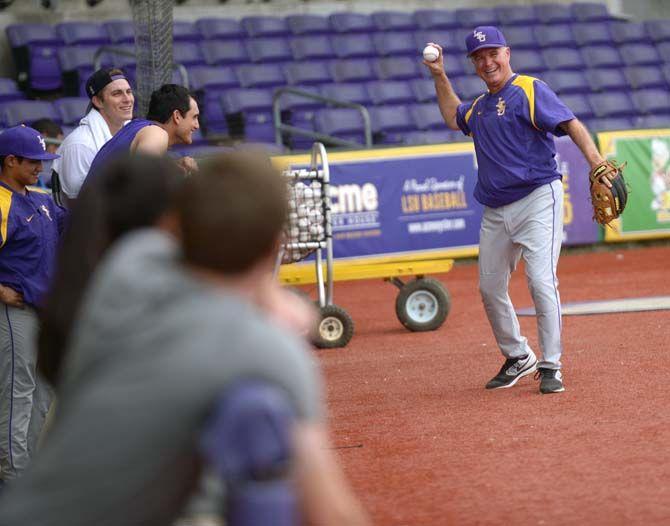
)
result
[(431, 53)]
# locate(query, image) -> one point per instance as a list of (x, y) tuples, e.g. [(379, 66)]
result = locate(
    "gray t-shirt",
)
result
[(151, 352)]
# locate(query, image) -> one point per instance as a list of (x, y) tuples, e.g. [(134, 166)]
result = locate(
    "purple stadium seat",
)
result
[(652, 121), (383, 92), (459, 40), (434, 137), (394, 44), (44, 73), (120, 31), (613, 104), (224, 52), (353, 46), (347, 92), (591, 33), (601, 56), (554, 13), (390, 123), (641, 77), (219, 29), (606, 79), (528, 61), (348, 22), (352, 70), (394, 21), (308, 24), (666, 72), (265, 26), (513, 15), (424, 90), (663, 49), (443, 37), (312, 47), (187, 54), (519, 37), (436, 19), (427, 117), (658, 30), (71, 109), (266, 50), (590, 12), (24, 34), (579, 104), (260, 75), (26, 112), (559, 35), (629, 33), (307, 73), (639, 55), (562, 58), (477, 16), (82, 33), (249, 113), (397, 68), (343, 123), (609, 124), (567, 82), (183, 31), (300, 113), (470, 87), (203, 78), (34, 51), (209, 83), (9, 91), (651, 101)]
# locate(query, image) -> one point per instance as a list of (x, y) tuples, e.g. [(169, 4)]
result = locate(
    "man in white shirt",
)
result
[(111, 107)]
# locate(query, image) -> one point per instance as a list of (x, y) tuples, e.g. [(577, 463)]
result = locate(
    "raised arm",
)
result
[(582, 138), (447, 99)]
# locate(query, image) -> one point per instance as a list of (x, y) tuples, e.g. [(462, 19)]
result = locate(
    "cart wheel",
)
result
[(422, 304), (335, 328)]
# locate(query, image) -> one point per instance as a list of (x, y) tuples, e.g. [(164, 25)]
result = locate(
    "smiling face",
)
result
[(115, 102), (19, 172), (187, 123), (492, 65)]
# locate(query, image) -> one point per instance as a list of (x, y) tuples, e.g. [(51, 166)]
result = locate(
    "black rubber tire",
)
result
[(335, 328), (423, 305)]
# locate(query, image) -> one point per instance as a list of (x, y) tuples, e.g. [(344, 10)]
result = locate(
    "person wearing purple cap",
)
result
[(111, 107), (520, 187), (30, 226)]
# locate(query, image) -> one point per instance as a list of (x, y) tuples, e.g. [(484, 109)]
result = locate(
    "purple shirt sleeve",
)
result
[(460, 117), (550, 110)]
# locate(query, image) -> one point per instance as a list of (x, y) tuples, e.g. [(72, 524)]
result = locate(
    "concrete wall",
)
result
[(32, 11)]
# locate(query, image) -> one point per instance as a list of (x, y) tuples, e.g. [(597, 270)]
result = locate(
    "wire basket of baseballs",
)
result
[(306, 220)]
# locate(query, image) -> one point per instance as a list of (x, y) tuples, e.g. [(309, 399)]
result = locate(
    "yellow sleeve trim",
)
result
[(527, 84), (474, 103), (5, 205)]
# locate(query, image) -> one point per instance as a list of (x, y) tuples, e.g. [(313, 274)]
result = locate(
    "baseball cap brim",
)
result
[(46, 156), (484, 46)]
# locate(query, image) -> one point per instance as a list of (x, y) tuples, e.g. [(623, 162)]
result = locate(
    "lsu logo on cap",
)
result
[(479, 36), (44, 144)]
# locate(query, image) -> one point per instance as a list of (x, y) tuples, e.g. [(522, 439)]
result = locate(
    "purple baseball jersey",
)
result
[(512, 131), (119, 143), (30, 227)]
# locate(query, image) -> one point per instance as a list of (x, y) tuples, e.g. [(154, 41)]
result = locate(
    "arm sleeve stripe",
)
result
[(5, 205), (474, 103), (527, 84)]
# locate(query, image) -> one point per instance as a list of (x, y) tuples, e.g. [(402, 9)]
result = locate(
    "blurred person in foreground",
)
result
[(111, 106), (161, 334), (30, 227), (172, 117)]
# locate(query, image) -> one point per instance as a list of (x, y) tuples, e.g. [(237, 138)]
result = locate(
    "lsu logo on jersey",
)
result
[(479, 36), (500, 106)]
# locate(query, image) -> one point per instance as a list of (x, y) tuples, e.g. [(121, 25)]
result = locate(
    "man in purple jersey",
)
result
[(30, 226), (171, 119), (520, 187)]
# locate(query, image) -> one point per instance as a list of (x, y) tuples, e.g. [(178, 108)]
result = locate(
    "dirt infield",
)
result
[(425, 444)]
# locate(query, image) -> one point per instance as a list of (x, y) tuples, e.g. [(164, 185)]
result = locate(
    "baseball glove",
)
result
[(608, 203)]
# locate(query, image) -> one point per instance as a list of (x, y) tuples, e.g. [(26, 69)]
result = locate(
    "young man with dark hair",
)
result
[(172, 118), (111, 106), (30, 226)]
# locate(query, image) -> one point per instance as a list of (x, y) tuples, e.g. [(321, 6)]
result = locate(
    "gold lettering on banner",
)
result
[(410, 204), (443, 201)]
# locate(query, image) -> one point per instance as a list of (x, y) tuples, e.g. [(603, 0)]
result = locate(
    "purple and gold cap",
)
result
[(484, 37), (26, 142)]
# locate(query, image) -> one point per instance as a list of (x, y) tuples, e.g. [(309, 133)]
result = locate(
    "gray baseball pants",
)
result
[(531, 228), (24, 396)]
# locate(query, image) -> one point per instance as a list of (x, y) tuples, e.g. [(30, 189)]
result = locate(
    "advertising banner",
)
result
[(579, 228), (647, 154)]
